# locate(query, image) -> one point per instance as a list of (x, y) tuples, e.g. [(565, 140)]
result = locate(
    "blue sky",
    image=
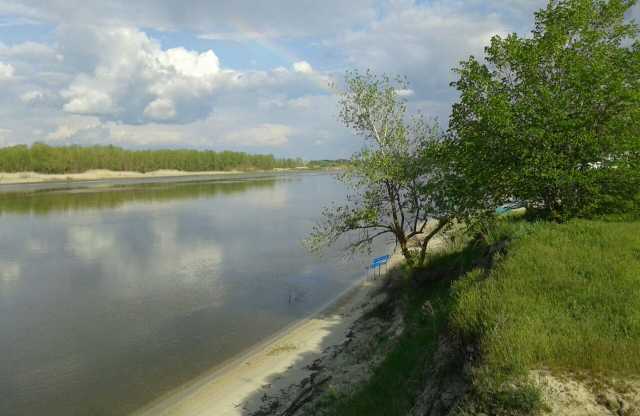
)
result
[(242, 75)]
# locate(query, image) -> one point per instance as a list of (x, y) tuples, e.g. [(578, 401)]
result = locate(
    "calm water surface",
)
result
[(110, 297)]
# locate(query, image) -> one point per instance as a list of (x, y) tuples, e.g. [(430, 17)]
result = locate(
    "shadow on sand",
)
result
[(343, 353)]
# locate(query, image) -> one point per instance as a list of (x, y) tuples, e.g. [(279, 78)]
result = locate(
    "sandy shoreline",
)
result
[(94, 175), (282, 360)]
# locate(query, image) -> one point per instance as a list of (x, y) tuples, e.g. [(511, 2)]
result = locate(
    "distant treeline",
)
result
[(42, 158), (328, 164)]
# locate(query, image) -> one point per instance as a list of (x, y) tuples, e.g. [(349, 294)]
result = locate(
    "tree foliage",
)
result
[(387, 181), (76, 159), (552, 120)]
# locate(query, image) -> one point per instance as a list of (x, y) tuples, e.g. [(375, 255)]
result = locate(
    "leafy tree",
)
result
[(74, 159), (388, 187), (552, 120)]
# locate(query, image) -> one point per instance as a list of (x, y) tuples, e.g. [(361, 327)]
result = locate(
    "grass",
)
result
[(396, 383), (566, 297)]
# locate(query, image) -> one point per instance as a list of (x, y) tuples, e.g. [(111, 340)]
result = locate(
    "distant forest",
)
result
[(328, 164), (42, 158)]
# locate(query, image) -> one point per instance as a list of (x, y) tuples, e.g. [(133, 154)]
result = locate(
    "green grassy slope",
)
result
[(564, 297)]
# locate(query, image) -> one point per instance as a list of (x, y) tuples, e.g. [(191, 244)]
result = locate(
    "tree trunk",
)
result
[(405, 250), (425, 243)]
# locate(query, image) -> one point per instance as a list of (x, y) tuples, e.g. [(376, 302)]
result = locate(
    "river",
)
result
[(114, 293)]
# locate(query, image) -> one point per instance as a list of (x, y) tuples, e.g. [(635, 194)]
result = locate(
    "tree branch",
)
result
[(423, 251), (368, 239)]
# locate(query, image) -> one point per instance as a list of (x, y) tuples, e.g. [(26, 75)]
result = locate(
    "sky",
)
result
[(243, 75)]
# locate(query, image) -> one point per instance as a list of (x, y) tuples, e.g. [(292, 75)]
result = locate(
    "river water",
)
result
[(113, 294)]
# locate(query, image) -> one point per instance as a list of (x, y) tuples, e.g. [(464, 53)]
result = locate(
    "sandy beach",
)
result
[(93, 175), (285, 359)]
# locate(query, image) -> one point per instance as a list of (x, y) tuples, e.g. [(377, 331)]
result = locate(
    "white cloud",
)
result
[(147, 134), (83, 99), (30, 51), (268, 135), (407, 92), (300, 103), (303, 67), (63, 132), (239, 37), (72, 126), (127, 77), (96, 77), (117, 85), (160, 109), (31, 97), (191, 64), (422, 41), (286, 18), (135, 80), (40, 98), (7, 71)]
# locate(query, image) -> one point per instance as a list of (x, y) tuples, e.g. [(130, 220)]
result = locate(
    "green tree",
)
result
[(388, 191), (552, 120), (74, 159)]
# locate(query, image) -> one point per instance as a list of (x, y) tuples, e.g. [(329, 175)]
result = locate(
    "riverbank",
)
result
[(246, 384), (536, 318), (94, 175)]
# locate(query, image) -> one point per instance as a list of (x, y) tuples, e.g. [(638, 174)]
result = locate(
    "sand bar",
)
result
[(93, 175)]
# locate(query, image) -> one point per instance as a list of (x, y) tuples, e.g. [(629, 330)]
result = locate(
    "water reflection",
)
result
[(108, 299), (47, 201)]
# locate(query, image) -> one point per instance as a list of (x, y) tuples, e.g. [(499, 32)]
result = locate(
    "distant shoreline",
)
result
[(95, 175)]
